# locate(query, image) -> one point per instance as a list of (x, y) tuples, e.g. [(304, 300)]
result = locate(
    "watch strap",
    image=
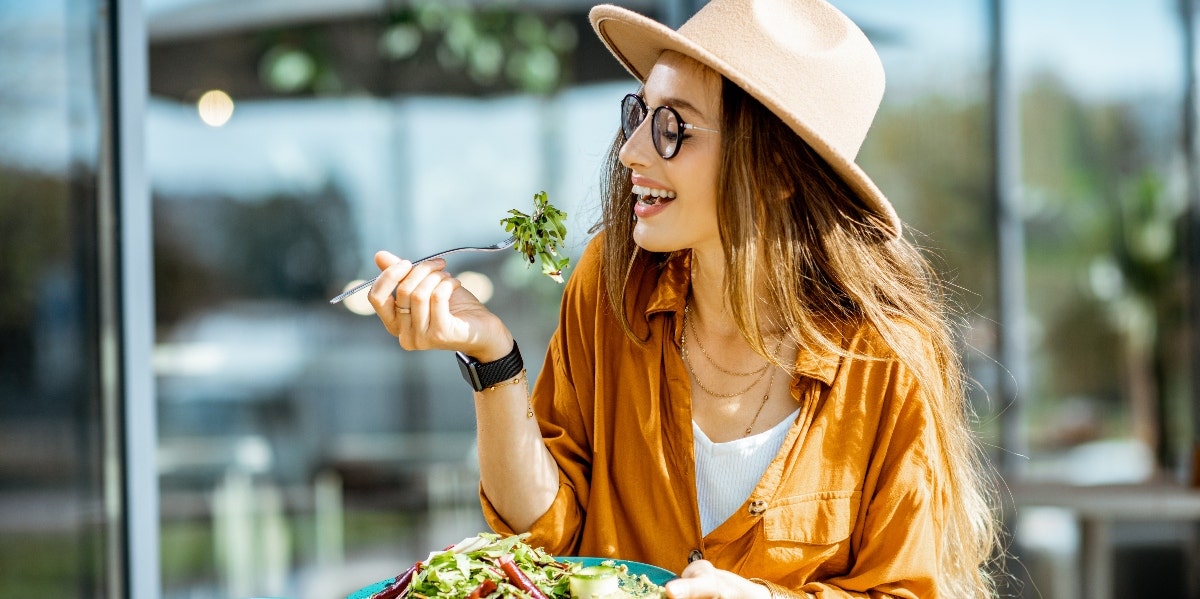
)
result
[(482, 375)]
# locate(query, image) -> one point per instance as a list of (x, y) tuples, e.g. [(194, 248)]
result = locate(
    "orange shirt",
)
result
[(849, 505)]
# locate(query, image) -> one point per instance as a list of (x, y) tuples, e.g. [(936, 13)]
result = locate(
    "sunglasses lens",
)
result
[(633, 112), (666, 132)]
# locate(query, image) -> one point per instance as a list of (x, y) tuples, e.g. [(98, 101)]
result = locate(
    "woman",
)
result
[(753, 381)]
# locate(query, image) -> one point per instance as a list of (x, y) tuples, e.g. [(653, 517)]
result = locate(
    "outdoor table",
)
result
[(1097, 507)]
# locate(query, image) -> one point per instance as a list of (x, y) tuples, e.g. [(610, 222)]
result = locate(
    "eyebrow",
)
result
[(676, 103)]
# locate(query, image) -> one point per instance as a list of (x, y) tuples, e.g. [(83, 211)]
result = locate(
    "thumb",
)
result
[(687, 586), (698, 568), (384, 259)]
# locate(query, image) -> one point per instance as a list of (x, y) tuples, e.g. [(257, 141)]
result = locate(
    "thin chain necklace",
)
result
[(770, 382), (710, 359), (766, 396), (687, 360)]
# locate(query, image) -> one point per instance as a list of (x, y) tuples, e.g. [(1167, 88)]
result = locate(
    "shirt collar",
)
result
[(670, 296)]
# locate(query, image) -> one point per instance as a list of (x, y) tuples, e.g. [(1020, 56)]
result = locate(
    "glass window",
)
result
[(55, 529), (302, 452), (1101, 92)]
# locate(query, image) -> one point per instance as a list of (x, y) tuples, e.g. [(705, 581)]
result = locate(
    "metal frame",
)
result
[(1013, 376), (1191, 153), (126, 354)]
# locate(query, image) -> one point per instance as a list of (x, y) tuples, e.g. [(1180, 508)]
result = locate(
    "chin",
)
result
[(653, 243)]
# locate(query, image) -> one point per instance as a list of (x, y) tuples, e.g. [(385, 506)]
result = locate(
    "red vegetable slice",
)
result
[(483, 590), (518, 578), (398, 586)]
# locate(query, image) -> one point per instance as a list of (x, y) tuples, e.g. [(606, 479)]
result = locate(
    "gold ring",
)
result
[(402, 310)]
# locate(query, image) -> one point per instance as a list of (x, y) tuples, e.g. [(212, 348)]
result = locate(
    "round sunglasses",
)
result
[(666, 126)]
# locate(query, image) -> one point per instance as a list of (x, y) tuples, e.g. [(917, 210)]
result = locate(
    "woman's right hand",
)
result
[(516, 471), (425, 307)]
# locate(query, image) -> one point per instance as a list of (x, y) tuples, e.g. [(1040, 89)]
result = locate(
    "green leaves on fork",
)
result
[(540, 236)]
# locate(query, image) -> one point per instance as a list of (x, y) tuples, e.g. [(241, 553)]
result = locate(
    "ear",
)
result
[(787, 189)]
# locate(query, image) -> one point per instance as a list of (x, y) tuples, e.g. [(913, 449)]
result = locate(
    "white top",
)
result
[(726, 473)]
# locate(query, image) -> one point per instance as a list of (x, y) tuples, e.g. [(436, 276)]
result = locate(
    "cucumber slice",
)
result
[(595, 582)]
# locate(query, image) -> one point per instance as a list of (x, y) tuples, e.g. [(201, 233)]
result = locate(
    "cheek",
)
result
[(707, 174), (701, 170), (706, 190), (712, 214)]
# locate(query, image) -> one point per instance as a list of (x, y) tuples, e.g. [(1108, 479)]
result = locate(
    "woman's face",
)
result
[(676, 204)]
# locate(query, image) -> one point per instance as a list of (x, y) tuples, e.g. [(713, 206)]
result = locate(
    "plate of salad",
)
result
[(488, 565)]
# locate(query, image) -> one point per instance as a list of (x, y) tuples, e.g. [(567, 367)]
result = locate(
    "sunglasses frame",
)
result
[(655, 137)]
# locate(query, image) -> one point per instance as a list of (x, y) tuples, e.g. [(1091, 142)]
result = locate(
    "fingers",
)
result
[(685, 586), (691, 582), (701, 580), (413, 301), (440, 316), (381, 294), (700, 567), (417, 276), (390, 295), (419, 329)]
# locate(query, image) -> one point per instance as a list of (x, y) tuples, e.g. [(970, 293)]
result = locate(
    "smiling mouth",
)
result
[(649, 196)]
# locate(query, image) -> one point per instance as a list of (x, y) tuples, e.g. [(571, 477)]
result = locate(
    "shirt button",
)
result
[(696, 554), (757, 508)]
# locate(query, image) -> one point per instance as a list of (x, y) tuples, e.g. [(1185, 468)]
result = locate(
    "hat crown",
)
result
[(802, 59), (811, 61)]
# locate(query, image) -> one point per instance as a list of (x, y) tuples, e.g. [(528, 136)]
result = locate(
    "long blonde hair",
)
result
[(796, 238)]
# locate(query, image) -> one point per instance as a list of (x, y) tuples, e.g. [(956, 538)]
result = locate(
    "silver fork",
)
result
[(503, 245)]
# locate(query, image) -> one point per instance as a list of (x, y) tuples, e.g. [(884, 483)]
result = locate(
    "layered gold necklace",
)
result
[(758, 373)]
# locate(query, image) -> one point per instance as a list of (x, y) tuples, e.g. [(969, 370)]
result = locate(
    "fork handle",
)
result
[(368, 283), (355, 289)]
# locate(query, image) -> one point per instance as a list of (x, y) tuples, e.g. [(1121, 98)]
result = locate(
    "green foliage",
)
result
[(495, 45)]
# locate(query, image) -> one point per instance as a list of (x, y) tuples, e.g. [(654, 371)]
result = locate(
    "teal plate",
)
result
[(657, 575), (369, 590)]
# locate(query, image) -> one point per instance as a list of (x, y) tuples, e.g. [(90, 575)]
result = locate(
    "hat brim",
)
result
[(637, 42)]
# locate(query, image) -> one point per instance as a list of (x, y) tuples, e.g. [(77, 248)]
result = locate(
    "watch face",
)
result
[(481, 376), (466, 365)]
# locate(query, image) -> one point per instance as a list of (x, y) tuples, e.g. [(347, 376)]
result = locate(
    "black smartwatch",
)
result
[(481, 375)]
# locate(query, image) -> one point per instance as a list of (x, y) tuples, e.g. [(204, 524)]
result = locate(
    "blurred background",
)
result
[(185, 183)]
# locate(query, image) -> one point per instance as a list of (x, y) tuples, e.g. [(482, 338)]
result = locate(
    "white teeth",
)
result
[(645, 193)]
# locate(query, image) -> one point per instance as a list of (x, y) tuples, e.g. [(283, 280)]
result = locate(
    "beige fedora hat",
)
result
[(803, 59)]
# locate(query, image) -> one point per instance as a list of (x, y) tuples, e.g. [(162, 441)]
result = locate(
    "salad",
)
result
[(488, 565), (539, 236)]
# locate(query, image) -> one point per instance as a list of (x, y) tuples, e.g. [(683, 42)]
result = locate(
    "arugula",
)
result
[(540, 236), (461, 569)]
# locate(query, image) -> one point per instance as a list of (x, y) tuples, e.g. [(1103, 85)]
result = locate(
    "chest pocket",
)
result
[(815, 519)]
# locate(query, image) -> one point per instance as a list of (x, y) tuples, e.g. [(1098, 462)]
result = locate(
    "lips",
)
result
[(650, 200)]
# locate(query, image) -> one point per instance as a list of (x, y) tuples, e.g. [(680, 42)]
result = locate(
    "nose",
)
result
[(638, 149)]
